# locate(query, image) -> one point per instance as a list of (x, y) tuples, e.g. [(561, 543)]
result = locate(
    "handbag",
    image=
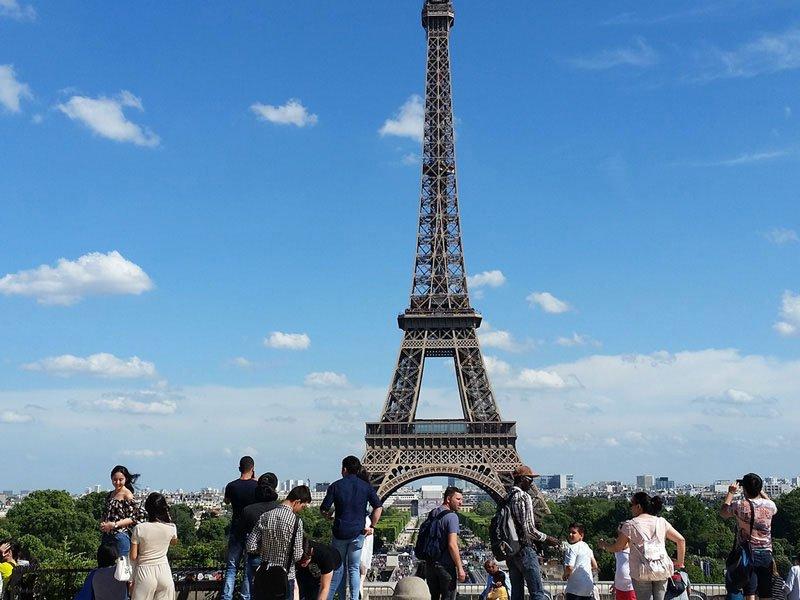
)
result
[(739, 562), (676, 585), (271, 582), (124, 569)]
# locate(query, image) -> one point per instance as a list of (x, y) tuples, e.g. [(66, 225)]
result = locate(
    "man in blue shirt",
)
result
[(444, 574), (349, 497)]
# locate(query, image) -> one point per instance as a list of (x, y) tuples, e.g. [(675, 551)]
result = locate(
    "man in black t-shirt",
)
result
[(239, 493), (315, 570)]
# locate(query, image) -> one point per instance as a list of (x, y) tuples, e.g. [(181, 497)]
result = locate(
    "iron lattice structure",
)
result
[(440, 322)]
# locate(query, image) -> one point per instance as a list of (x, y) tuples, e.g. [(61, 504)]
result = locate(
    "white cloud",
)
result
[(548, 303), (291, 113), (638, 55), (498, 339), (577, 339), (780, 235), (748, 158), (789, 325), (143, 453), (738, 403), (12, 9), (787, 112), (408, 122), (105, 117), (326, 379), (495, 366), (410, 159), (13, 418), (12, 91), (538, 379), (653, 394), (102, 365), (69, 281), (144, 402), (242, 362), (287, 341), (487, 278), (768, 53)]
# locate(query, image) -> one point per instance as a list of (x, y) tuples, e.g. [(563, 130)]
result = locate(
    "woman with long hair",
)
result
[(121, 512), (150, 542), (645, 534)]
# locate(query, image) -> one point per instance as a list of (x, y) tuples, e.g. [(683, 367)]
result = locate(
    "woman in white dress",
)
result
[(150, 542)]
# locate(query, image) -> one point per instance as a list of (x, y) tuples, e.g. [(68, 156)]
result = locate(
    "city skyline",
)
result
[(184, 234)]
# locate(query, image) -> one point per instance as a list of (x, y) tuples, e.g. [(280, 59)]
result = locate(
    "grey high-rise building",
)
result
[(664, 484)]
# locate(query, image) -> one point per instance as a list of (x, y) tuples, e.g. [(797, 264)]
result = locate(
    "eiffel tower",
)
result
[(440, 322)]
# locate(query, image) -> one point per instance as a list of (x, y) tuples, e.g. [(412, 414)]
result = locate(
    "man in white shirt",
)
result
[(793, 581), (579, 564)]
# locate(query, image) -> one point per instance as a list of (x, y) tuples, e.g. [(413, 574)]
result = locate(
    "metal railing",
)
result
[(205, 583)]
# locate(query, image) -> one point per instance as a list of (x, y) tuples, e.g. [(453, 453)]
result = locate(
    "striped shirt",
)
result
[(522, 510), (271, 538)]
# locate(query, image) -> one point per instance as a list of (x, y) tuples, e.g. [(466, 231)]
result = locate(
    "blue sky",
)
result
[(212, 175)]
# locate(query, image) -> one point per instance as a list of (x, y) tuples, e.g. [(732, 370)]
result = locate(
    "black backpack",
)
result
[(431, 537), (503, 534)]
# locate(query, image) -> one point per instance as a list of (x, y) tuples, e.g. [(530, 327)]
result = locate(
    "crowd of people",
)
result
[(267, 539), (644, 569)]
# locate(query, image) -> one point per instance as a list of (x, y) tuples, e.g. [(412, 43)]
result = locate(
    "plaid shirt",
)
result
[(522, 510), (271, 538)]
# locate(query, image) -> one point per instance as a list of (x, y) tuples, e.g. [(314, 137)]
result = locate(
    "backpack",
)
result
[(503, 535), (431, 537), (655, 564)]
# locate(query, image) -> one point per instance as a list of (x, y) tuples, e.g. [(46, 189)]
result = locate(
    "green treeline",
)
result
[(392, 523), (60, 531), (708, 535)]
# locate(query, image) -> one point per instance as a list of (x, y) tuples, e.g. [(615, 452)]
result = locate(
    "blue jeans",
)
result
[(120, 540), (350, 551), (251, 565), (235, 552), (523, 568)]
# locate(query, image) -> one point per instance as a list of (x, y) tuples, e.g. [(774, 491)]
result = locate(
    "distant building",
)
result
[(556, 482), (322, 487), (289, 484), (431, 492), (664, 484), (645, 482), (720, 486)]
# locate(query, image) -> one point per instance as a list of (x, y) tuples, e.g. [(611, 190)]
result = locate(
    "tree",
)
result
[(183, 517), (213, 529), (316, 525), (786, 523), (92, 504), (52, 517), (706, 532), (485, 508)]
